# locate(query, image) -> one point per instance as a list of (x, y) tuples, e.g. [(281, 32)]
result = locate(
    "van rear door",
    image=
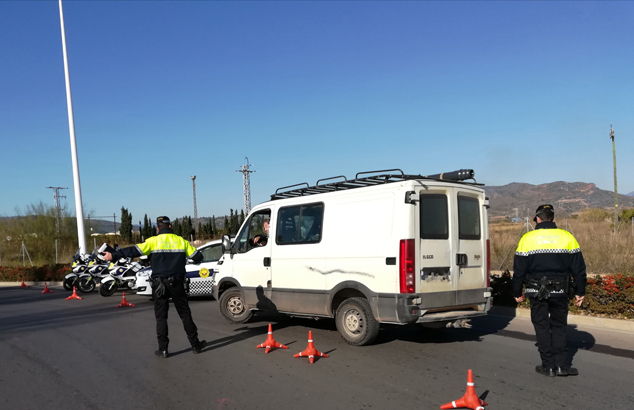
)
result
[(452, 255), (471, 252), (438, 242)]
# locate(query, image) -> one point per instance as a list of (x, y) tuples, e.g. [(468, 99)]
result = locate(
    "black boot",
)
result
[(199, 346), (545, 371), (567, 371), (161, 353)]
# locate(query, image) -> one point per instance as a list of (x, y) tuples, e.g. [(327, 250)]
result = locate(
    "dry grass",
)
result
[(603, 251)]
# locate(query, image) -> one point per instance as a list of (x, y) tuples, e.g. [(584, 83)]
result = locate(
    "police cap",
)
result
[(542, 209), (163, 220)]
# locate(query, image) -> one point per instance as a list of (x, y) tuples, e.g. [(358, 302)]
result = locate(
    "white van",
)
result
[(384, 247)]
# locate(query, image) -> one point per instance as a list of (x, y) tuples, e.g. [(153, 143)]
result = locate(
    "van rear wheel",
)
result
[(233, 308), (356, 323)]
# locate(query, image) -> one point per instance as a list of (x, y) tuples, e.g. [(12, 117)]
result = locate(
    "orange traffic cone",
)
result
[(124, 302), (74, 295), (24, 285), (469, 400), (46, 289), (270, 343), (310, 351)]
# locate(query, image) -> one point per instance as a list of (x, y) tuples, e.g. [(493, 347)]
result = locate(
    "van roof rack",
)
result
[(382, 177)]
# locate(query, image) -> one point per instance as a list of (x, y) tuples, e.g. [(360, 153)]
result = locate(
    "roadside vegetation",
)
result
[(604, 251), (609, 258), (42, 235)]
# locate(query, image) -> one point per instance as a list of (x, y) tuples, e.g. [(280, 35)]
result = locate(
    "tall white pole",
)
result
[(79, 210)]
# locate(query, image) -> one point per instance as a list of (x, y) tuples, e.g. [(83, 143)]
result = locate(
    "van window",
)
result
[(255, 232), (299, 224), (468, 217), (212, 253), (434, 221)]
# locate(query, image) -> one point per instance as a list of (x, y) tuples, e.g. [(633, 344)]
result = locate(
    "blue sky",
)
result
[(518, 91)]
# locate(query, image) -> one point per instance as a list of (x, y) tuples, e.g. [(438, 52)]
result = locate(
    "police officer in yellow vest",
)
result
[(168, 255), (549, 265)]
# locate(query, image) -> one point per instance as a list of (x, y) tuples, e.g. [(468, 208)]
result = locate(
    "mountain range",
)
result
[(520, 199)]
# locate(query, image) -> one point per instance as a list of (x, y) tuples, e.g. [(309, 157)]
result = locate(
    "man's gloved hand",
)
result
[(159, 287)]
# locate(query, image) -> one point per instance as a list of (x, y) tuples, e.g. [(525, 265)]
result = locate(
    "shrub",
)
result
[(45, 273)]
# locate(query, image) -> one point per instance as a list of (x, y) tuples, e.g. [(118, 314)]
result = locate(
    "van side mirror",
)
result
[(226, 244)]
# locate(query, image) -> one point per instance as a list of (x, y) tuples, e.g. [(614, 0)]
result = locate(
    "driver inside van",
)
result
[(263, 238)]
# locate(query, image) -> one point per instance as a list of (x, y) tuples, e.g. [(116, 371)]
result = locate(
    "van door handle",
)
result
[(267, 261), (461, 259)]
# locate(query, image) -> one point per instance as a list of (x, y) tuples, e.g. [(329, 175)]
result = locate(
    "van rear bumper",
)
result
[(432, 307)]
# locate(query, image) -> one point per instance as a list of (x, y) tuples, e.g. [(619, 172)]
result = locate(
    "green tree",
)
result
[(213, 224), (186, 228), (147, 228), (241, 221), (177, 227), (233, 222), (125, 229), (225, 227)]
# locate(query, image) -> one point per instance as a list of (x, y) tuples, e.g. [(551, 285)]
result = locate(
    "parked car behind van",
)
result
[(384, 247)]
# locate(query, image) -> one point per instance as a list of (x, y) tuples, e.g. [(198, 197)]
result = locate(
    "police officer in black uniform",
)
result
[(549, 265), (168, 256)]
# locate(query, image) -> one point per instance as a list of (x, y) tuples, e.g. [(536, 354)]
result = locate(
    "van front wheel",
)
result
[(233, 308), (356, 323)]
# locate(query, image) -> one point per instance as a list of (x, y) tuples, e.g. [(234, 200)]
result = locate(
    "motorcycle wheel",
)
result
[(68, 283), (108, 288), (86, 285)]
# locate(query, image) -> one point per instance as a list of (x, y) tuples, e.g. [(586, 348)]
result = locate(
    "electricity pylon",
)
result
[(246, 186), (57, 196)]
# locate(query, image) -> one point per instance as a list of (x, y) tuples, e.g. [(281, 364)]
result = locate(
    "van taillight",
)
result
[(406, 266), (488, 263)]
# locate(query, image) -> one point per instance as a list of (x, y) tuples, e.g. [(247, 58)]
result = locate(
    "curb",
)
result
[(600, 322), (17, 284)]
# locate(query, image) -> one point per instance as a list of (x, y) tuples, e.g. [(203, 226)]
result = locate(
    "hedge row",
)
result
[(608, 296), (46, 273)]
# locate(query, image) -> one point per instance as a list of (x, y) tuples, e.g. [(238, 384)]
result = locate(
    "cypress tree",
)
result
[(125, 229), (176, 227), (186, 228)]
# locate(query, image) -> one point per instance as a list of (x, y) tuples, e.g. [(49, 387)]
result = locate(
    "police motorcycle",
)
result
[(78, 266), (121, 274), (97, 270)]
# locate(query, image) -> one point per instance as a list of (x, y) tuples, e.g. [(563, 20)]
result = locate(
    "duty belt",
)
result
[(544, 286)]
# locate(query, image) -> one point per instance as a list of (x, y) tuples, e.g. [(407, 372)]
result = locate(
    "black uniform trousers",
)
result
[(176, 291), (550, 319)]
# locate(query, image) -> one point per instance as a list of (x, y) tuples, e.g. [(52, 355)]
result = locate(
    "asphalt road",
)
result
[(86, 354)]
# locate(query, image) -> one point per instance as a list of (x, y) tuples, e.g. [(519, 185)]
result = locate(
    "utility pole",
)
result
[(616, 195), (79, 208), (56, 197), (246, 186), (195, 208)]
